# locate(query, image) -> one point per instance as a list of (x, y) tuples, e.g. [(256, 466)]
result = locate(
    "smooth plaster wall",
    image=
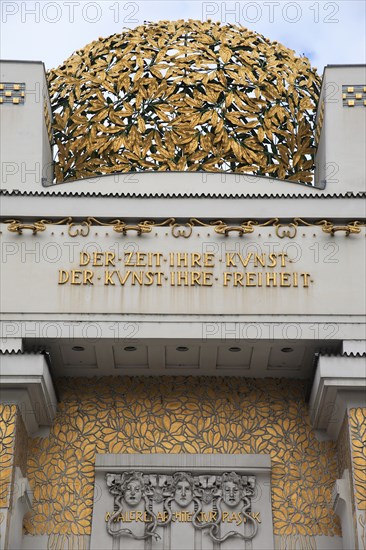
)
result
[(37, 262)]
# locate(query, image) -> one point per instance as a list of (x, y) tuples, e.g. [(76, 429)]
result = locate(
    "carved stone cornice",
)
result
[(26, 381), (339, 383)]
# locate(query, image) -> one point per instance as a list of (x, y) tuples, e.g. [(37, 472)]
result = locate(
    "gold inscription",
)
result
[(183, 516), (184, 269)]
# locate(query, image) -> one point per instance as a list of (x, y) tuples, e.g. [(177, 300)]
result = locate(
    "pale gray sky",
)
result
[(327, 32)]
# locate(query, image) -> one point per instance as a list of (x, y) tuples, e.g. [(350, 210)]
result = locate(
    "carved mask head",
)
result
[(231, 493), (133, 492), (183, 489)]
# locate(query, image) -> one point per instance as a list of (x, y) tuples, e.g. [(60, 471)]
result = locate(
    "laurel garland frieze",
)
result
[(283, 228)]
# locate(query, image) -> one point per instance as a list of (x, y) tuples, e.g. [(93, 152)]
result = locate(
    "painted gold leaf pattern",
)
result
[(181, 415), (7, 444), (184, 95), (357, 419)]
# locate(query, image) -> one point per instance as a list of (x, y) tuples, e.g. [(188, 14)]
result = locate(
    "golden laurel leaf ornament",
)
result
[(184, 96)]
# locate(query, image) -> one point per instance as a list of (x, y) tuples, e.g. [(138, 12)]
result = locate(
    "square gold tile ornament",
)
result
[(12, 93), (354, 96)]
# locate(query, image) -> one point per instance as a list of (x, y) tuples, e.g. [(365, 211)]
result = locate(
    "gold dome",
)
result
[(187, 96)]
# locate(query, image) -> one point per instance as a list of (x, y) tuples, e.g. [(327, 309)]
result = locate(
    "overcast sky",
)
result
[(327, 32)]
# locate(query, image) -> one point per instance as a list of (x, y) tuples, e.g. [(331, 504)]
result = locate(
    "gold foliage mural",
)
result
[(7, 441), (184, 95), (181, 415), (357, 419)]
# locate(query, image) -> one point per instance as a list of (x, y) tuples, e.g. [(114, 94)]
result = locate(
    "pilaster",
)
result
[(338, 408), (27, 403)]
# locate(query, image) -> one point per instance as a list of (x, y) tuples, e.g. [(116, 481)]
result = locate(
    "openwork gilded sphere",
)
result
[(184, 95)]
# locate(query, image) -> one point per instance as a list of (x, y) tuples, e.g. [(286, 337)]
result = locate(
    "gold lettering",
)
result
[(305, 277), (208, 259), (88, 275), (183, 516), (260, 259), (195, 278), (110, 259), (273, 259), (157, 256), (139, 516), (140, 257), (84, 258), (182, 258), (196, 260), (235, 518), (283, 256), (63, 276), (138, 277), (182, 275), (162, 516), (129, 257), (225, 515), (238, 278), (97, 257), (250, 278), (123, 280), (128, 518), (207, 278), (150, 278), (246, 260), (284, 279), (227, 277), (256, 516), (271, 277), (230, 259), (108, 277), (177, 516), (75, 274), (159, 275)]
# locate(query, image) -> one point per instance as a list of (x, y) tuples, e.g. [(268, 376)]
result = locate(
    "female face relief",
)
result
[(133, 493), (183, 495), (231, 494)]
